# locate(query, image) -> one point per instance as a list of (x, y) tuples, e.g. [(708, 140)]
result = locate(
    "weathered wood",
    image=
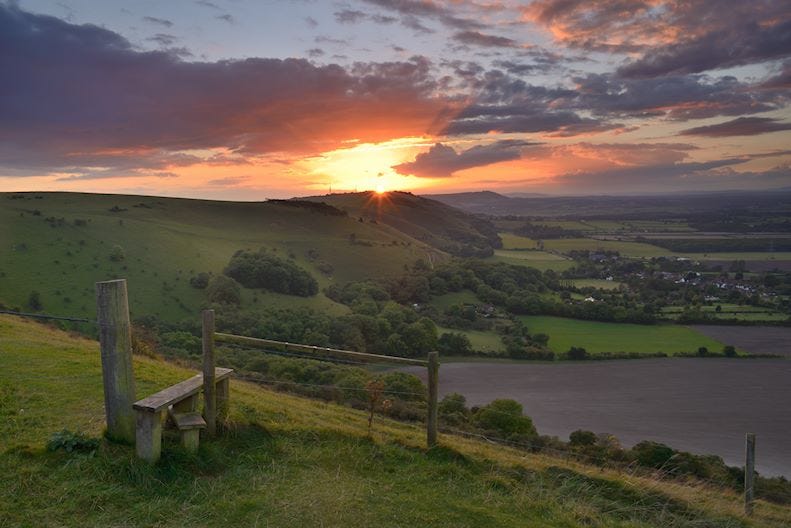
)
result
[(223, 397), (187, 421), (178, 392), (209, 392), (332, 352), (749, 473), (190, 439), (115, 339), (431, 418), (148, 441), (186, 405)]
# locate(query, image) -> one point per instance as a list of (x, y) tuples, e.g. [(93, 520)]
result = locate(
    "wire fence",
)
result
[(661, 474)]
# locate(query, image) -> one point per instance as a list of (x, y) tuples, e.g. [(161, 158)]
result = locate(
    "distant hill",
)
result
[(659, 205), (433, 222), (60, 244)]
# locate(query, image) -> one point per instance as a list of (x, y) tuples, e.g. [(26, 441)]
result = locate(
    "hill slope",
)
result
[(445, 228), (59, 244), (288, 461)]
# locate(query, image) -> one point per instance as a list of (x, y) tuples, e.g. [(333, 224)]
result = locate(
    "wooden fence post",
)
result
[(209, 389), (431, 422), (749, 473), (115, 341)]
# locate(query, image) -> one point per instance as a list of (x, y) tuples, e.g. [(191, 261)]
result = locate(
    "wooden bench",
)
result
[(181, 403)]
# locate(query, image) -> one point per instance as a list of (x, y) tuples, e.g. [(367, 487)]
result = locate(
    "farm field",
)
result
[(454, 298), (598, 338), (481, 341), (280, 454), (597, 283), (511, 241), (535, 259), (752, 339), (731, 311), (627, 249)]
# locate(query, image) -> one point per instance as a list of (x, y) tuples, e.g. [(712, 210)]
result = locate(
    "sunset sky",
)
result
[(247, 100)]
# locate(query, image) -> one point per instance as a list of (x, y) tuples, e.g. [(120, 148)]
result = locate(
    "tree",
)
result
[(582, 438), (729, 351), (454, 343)]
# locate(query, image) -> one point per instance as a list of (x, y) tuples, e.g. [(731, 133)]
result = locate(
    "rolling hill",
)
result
[(434, 223), (289, 461), (59, 244)]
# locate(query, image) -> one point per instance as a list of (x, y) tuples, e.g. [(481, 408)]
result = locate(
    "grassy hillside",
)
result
[(287, 461), (432, 222), (59, 244)]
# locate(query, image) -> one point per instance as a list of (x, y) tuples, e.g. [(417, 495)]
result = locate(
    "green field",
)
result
[(481, 341), (597, 338), (166, 241), (731, 311), (286, 461), (511, 241), (454, 298), (534, 259), (627, 249), (600, 284)]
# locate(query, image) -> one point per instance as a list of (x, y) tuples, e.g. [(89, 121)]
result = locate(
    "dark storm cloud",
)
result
[(441, 161), (82, 96), (742, 126), (476, 38)]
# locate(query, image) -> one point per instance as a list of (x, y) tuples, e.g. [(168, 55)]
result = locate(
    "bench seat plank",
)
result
[(180, 391), (191, 420)]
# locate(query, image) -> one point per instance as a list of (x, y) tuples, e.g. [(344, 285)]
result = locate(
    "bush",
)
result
[(453, 409), (265, 270), (200, 281), (224, 290), (34, 301), (729, 351), (652, 454), (454, 343), (504, 417), (582, 438), (117, 253), (578, 354)]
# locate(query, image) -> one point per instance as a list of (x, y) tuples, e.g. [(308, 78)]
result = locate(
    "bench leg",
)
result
[(190, 439), (222, 395), (148, 435)]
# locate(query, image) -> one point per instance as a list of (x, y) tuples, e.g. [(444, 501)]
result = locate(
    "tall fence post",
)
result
[(749, 473), (209, 388), (115, 341), (431, 420)]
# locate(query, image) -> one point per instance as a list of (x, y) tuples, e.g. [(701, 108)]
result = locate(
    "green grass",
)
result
[(599, 338), (511, 241), (627, 249), (454, 298), (168, 241), (534, 259), (731, 311), (481, 341), (286, 461), (597, 283)]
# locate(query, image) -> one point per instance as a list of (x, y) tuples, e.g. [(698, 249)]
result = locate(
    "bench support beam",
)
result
[(148, 442)]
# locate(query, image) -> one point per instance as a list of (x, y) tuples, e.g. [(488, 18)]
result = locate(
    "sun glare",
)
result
[(380, 188)]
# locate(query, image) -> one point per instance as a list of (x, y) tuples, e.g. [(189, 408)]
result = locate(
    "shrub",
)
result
[(34, 301), (453, 409), (729, 351), (200, 281), (263, 269), (117, 253), (454, 343), (224, 290), (504, 417), (582, 438), (577, 354)]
